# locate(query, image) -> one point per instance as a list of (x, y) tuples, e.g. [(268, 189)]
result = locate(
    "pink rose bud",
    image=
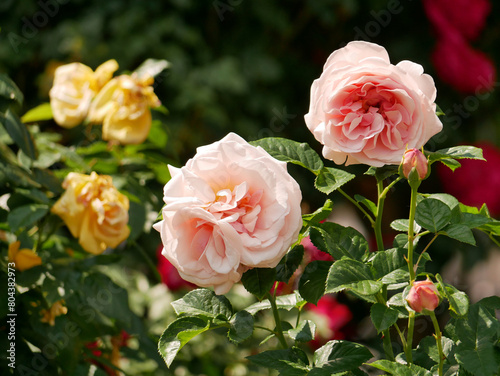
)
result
[(414, 158), (423, 295)]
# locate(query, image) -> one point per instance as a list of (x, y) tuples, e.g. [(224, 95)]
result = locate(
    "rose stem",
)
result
[(279, 330), (438, 342)]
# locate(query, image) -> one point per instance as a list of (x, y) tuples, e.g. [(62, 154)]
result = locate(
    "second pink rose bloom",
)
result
[(230, 208), (366, 110)]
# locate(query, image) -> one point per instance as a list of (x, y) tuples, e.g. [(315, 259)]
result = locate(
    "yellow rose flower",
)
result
[(57, 309), (23, 259), (75, 85), (94, 211), (123, 108)]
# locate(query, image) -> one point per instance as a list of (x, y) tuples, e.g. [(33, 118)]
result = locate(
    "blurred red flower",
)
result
[(468, 17), (462, 67), (457, 23), (312, 253), (476, 182), (169, 274), (337, 314)]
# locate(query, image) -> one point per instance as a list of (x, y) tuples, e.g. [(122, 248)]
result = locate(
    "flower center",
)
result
[(239, 207)]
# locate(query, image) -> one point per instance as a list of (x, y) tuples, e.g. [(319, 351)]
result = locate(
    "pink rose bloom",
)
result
[(230, 208), (468, 17), (423, 295), (462, 67), (476, 182), (365, 110)]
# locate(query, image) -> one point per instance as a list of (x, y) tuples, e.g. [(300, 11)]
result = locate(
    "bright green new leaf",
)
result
[(287, 302), (39, 113)]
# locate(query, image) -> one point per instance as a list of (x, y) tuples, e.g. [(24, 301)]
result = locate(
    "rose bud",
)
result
[(414, 158), (423, 295)]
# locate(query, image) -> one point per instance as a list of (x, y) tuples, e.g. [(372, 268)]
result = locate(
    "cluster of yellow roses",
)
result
[(94, 211), (122, 104)]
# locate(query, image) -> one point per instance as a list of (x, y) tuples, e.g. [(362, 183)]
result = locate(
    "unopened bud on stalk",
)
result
[(414, 158), (423, 295)]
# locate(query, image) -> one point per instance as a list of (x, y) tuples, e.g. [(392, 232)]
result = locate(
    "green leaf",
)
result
[(9, 90), (289, 263), (330, 179), (432, 214), (304, 332), (428, 346), (461, 233), (241, 326), (39, 113), (313, 280), (352, 275), (452, 164), (398, 369), (383, 317), (19, 133), (282, 302), (368, 203), (319, 215), (289, 362), (259, 281), (382, 173), (339, 241), (459, 302), (205, 303), (456, 152), (385, 262), (484, 360), (291, 151), (402, 225), (177, 334), (401, 241), (339, 356), (26, 216)]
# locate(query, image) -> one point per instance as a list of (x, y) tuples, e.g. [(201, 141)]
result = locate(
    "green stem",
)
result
[(409, 338), (377, 226), (411, 233), (388, 188), (150, 263), (438, 342), (279, 329), (490, 235), (357, 204), (425, 249), (401, 336), (264, 328), (386, 334)]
